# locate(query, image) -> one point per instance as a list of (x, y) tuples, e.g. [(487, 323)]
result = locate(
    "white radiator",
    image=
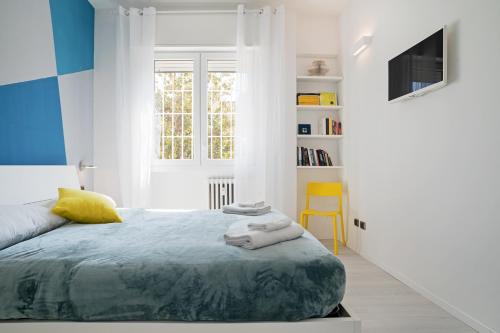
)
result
[(220, 192)]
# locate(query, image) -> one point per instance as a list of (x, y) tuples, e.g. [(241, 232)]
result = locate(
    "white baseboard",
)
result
[(454, 311)]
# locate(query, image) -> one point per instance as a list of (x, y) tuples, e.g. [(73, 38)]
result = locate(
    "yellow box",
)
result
[(309, 100), (328, 98)]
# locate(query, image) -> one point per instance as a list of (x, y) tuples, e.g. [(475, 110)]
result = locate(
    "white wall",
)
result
[(105, 150), (317, 33), (76, 95), (19, 38), (424, 174), (196, 29)]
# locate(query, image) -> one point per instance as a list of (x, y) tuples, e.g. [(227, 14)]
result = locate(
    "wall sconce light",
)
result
[(361, 45), (82, 166)]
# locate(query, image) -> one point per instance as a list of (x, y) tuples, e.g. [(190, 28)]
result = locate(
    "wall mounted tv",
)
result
[(420, 69)]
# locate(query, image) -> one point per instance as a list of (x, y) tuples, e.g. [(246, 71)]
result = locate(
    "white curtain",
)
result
[(260, 135), (135, 103)]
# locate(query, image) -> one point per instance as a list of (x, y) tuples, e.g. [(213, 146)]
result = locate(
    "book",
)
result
[(328, 126), (313, 158), (321, 157), (328, 98), (306, 157), (329, 160)]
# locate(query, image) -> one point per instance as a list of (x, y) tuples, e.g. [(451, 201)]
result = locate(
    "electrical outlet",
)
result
[(362, 225), (356, 222)]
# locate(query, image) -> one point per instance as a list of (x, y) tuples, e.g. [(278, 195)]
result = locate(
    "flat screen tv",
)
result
[(420, 69)]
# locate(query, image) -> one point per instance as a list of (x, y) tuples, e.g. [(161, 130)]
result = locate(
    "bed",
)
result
[(163, 267)]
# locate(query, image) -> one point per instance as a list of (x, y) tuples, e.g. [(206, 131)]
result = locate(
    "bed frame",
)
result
[(319, 325), (23, 184)]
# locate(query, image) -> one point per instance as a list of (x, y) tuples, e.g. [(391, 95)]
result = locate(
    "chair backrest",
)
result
[(324, 190)]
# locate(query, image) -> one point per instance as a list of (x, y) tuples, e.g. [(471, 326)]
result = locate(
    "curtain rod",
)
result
[(170, 12), (230, 11)]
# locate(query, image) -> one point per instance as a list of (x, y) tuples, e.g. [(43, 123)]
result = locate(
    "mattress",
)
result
[(170, 266)]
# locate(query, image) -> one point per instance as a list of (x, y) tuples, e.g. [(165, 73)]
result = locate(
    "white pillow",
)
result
[(48, 203), (22, 222)]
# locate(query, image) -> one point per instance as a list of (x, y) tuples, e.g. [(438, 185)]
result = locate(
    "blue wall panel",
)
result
[(31, 130), (73, 29)]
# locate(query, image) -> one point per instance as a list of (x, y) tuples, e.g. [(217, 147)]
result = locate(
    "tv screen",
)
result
[(418, 68)]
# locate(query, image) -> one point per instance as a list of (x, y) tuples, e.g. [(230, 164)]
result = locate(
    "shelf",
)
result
[(319, 78), (319, 107), (319, 167), (317, 55), (319, 136)]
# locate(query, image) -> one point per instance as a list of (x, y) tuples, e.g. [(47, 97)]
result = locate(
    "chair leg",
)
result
[(302, 220), (342, 229), (306, 221), (335, 245)]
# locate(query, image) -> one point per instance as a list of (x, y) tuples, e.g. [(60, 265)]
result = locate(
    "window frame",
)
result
[(195, 57), (200, 110), (205, 57)]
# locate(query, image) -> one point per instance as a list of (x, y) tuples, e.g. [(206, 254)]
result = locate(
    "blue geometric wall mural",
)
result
[(31, 130), (73, 29), (32, 113)]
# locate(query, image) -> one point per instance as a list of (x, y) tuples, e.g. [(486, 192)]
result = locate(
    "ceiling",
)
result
[(330, 7)]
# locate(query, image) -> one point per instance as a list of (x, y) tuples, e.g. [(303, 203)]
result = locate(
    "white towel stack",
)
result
[(255, 204), (269, 222), (247, 208), (262, 231)]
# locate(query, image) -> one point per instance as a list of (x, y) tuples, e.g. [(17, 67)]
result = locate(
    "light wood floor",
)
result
[(386, 305)]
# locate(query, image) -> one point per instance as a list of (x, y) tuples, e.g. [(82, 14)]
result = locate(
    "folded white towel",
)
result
[(271, 224), (235, 209), (255, 204), (239, 235)]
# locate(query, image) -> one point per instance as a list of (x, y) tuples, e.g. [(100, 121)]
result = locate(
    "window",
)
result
[(174, 109), (194, 107), (220, 109)]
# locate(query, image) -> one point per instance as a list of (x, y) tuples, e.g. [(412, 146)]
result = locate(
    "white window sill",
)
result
[(192, 166)]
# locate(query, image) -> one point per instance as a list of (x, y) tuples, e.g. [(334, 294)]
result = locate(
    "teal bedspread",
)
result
[(166, 266)]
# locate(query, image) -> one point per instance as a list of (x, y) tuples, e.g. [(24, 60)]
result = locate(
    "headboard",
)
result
[(21, 184)]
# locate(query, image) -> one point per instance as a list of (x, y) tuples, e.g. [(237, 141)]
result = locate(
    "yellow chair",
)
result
[(325, 190)]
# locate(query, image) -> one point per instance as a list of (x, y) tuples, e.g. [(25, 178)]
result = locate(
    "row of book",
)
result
[(329, 126), (323, 98), (313, 157)]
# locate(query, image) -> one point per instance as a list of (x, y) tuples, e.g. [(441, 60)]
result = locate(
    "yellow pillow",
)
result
[(85, 207)]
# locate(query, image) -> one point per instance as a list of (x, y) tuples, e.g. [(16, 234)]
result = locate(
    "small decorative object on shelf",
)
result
[(319, 68), (304, 129)]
